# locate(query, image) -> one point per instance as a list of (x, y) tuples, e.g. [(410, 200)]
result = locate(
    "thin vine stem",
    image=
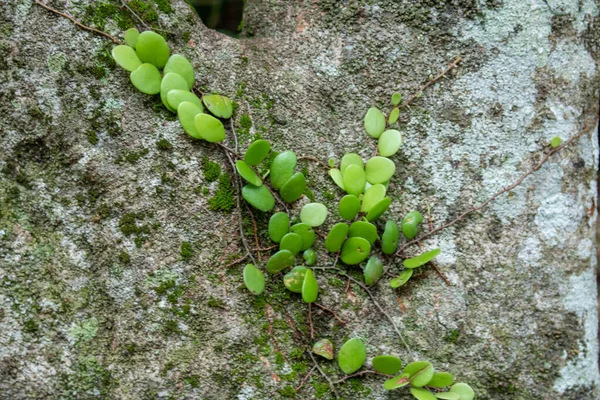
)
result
[(331, 385)]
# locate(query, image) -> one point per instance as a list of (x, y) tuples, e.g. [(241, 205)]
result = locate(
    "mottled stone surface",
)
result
[(112, 264)]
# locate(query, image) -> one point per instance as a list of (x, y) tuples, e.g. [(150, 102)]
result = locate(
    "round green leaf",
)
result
[(313, 214), (421, 259), (187, 111), (146, 79), (421, 394), (410, 224), (324, 348), (336, 237), (349, 206), (308, 235), (355, 250), (441, 380), (396, 382), (394, 115), (152, 48), (351, 159), (389, 365), (310, 257), (279, 225), (131, 37), (247, 173), (310, 287), (374, 122), (126, 58), (254, 279), (258, 197), (352, 355), (396, 99), (354, 179), (336, 175), (401, 279), (373, 195), (171, 81), (554, 143), (282, 168), (257, 152), (379, 170), (372, 273), (181, 66), (294, 279), (175, 97), (280, 261), (364, 230), (389, 142), (293, 189), (209, 128), (464, 390), (420, 373), (378, 209), (291, 242), (448, 396), (218, 105), (390, 237)]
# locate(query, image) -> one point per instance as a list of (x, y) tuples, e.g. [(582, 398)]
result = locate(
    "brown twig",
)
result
[(361, 373), (322, 307), (239, 260), (415, 96), (501, 192), (310, 324), (440, 273), (231, 151), (77, 23), (266, 248), (331, 385), (306, 378)]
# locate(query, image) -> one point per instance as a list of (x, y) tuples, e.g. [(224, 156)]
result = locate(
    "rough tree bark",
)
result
[(100, 188)]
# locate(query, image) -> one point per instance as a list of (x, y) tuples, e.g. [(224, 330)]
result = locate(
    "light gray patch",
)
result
[(557, 219)]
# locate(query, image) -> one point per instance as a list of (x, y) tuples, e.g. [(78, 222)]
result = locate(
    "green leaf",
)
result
[(293, 188), (421, 394), (420, 373), (324, 348), (394, 115), (379, 170), (280, 261), (374, 122), (126, 58), (308, 235), (351, 159), (219, 106), (182, 67), (146, 79), (187, 111), (355, 250), (282, 168), (336, 237), (448, 396), (421, 259), (352, 355), (364, 230), (313, 214), (258, 197), (389, 365), (209, 128), (336, 175), (390, 238), (378, 209), (354, 179), (464, 390), (410, 224), (279, 225), (396, 382), (401, 279), (131, 37), (441, 379), (171, 81), (373, 195), (310, 287), (247, 173), (294, 279), (254, 279), (152, 48), (554, 143), (257, 152), (396, 98), (372, 273), (309, 256), (389, 142), (291, 242), (175, 97), (349, 206)]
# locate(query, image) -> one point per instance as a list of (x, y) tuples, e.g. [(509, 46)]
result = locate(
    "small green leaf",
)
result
[(378, 209), (279, 225), (293, 188), (131, 37), (448, 396), (420, 373), (219, 106), (254, 279), (294, 279), (373, 195), (555, 142), (181, 66), (187, 111), (171, 81), (349, 206), (247, 173), (336, 175), (441, 379), (401, 279), (280, 261), (258, 197), (394, 115), (354, 179), (310, 287), (352, 355), (152, 48), (396, 382), (389, 143), (291, 242), (421, 259), (282, 168), (175, 97), (324, 348), (126, 58), (310, 257), (146, 79), (351, 159), (257, 152), (464, 390), (308, 235), (209, 128), (372, 273), (374, 122), (331, 163), (390, 237), (421, 394), (364, 230), (379, 170), (313, 214), (336, 237), (389, 365), (396, 98), (355, 250), (410, 224)]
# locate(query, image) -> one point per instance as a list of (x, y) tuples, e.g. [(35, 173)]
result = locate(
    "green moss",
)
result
[(216, 303), (144, 10), (124, 258), (287, 391), (335, 282), (212, 170), (310, 194), (92, 137), (31, 326), (89, 375), (279, 359), (223, 199), (245, 122), (193, 381), (85, 331), (164, 6), (164, 144), (128, 225), (452, 336), (98, 14), (320, 389), (186, 250), (131, 157), (171, 327)]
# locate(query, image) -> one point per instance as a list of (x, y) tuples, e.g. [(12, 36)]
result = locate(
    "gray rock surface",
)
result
[(100, 190)]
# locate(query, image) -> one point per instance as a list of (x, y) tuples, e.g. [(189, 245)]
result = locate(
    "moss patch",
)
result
[(223, 198)]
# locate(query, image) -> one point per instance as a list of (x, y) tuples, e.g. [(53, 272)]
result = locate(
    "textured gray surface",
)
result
[(93, 306)]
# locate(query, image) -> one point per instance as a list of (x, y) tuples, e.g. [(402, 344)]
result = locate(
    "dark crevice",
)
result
[(225, 16)]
